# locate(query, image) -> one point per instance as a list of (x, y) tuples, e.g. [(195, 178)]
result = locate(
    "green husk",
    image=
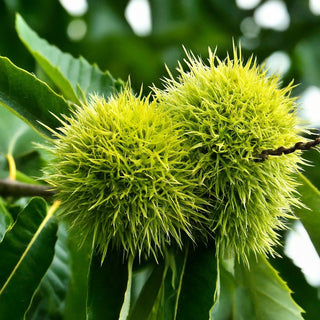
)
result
[(121, 171), (231, 111)]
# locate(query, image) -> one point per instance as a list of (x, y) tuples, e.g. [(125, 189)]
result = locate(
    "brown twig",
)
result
[(9, 187), (282, 150)]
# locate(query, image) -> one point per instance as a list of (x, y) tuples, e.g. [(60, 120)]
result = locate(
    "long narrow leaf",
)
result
[(167, 302), (198, 285), (148, 295), (26, 254), (29, 98), (107, 287), (80, 258), (173, 284), (127, 297)]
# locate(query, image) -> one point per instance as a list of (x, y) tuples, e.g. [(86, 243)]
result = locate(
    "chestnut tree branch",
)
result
[(9, 187), (282, 150)]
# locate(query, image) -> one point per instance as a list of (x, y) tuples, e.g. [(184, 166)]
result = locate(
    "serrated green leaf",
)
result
[(107, 287), (49, 301), (304, 294), (260, 293), (26, 248), (68, 73), (198, 285), (29, 98), (310, 197)]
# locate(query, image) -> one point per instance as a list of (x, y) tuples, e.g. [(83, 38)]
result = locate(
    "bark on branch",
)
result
[(9, 187), (282, 150)]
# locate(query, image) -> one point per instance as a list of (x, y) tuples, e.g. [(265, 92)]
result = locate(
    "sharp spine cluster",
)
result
[(143, 175), (121, 171), (230, 111)]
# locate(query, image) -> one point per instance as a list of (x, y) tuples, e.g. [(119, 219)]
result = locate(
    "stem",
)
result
[(282, 150), (12, 167), (9, 187)]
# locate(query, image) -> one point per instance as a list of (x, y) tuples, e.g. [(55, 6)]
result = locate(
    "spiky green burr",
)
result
[(120, 168), (230, 111)]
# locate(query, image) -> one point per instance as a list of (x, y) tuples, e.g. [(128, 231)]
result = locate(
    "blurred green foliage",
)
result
[(196, 24)]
